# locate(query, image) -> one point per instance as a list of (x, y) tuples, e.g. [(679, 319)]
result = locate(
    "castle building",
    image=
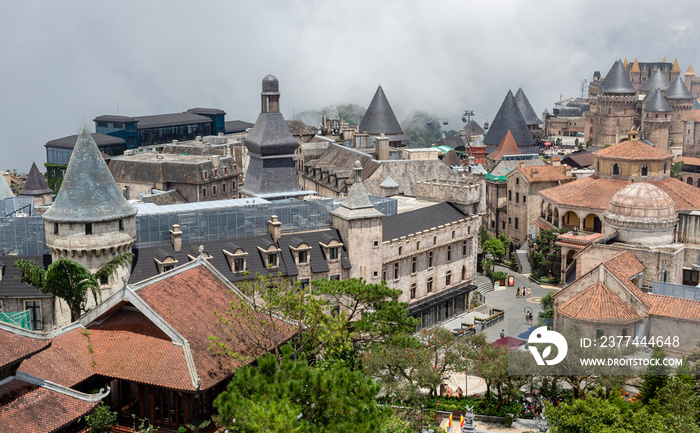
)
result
[(510, 119), (90, 222), (380, 119)]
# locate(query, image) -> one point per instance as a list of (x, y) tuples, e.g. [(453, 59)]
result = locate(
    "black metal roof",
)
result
[(35, 183), (234, 126), (678, 90), (403, 224), (657, 81), (112, 118), (317, 258), (100, 139), (379, 117), (617, 81), (88, 192), (205, 111), (10, 284), (508, 118), (172, 119), (656, 102), (531, 118)]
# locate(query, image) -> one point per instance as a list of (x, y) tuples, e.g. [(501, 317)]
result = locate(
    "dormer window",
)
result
[(238, 264), (236, 259), (272, 260), (303, 257), (333, 253), (332, 249), (301, 253), (168, 263), (270, 256)]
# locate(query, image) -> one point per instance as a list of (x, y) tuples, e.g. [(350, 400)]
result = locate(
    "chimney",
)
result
[(556, 161), (521, 164), (471, 160), (567, 170), (274, 228), (176, 238), (534, 173), (382, 147)]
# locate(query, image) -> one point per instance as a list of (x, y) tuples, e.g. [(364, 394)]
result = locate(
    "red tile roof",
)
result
[(16, 347), (508, 146), (577, 194), (689, 160), (29, 408), (675, 308), (128, 345), (597, 304), (636, 150), (547, 173), (624, 265)]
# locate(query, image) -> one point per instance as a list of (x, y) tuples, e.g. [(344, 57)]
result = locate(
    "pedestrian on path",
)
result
[(529, 291), (517, 293), (503, 333)]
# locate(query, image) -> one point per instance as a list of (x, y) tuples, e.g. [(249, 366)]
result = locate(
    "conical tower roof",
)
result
[(509, 118), (675, 67), (656, 102), (5, 190), (635, 66), (657, 81), (526, 109), (618, 80), (507, 146), (473, 129), (88, 192), (35, 183), (625, 63), (379, 117), (690, 70), (678, 90), (357, 205)]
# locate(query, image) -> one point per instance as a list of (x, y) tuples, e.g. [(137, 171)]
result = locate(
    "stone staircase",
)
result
[(483, 284), (523, 262)]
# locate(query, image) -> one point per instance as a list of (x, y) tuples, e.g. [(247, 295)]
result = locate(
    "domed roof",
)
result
[(641, 202), (270, 84)]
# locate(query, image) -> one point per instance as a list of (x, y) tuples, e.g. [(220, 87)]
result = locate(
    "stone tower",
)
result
[(35, 186), (360, 226), (271, 172), (656, 119), (616, 106), (90, 222), (681, 102)]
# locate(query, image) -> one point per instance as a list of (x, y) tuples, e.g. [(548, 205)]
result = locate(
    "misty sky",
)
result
[(64, 62)]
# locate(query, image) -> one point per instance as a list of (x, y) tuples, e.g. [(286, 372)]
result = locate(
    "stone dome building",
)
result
[(642, 213)]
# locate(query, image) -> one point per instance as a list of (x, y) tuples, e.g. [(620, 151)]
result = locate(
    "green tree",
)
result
[(656, 375), (351, 113), (546, 316), (483, 233), (69, 280), (101, 419), (495, 247), (676, 169), (289, 396), (679, 405), (545, 253)]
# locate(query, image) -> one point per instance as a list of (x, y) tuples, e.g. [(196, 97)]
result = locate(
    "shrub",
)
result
[(101, 420)]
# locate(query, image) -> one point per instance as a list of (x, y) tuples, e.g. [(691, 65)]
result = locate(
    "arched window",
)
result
[(644, 170), (616, 169)]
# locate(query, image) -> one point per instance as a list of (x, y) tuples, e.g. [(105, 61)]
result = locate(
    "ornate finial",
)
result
[(201, 250), (124, 280)]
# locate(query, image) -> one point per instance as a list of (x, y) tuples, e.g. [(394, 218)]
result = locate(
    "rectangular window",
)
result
[(517, 181), (375, 244), (333, 253), (223, 186), (517, 197), (216, 173), (206, 175), (396, 270), (303, 284), (213, 190), (429, 287), (55, 228), (239, 264), (225, 171), (88, 228), (335, 277), (384, 275), (400, 250), (303, 256), (510, 220), (493, 224), (690, 278), (417, 245), (104, 279), (503, 224), (413, 291), (204, 192), (516, 223), (430, 260), (271, 260), (414, 265), (524, 198), (121, 225), (448, 278), (34, 308), (449, 253)]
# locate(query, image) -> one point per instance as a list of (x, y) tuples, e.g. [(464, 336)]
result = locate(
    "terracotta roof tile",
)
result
[(16, 347), (507, 146), (578, 193), (633, 149), (547, 173), (29, 408), (625, 265), (675, 308), (597, 304), (689, 160)]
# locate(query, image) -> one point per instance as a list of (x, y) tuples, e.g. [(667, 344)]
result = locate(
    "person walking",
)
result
[(517, 293), (503, 333)]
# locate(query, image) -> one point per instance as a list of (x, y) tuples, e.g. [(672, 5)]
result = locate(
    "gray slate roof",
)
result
[(88, 192), (617, 81), (531, 118), (357, 205), (473, 129), (379, 117), (100, 139), (205, 111), (35, 183), (10, 284), (172, 119), (403, 224), (656, 81), (5, 190), (233, 126), (510, 118), (678, 90), (112, 118), (696, 104), (656, 102)]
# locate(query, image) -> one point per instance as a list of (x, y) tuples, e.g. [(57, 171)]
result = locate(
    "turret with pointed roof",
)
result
[(35, 186), (656, 119), (677, 90), (507, 146), (90, 222), (657, 81), (510, 118), (655, 102), (618, 80), (680, 100), (531, 118), (380, 119), (675, 70)]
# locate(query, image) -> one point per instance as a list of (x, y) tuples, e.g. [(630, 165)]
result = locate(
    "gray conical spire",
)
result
[(5, 190), (35, 183), (379, 117), (655, 102), (658, 81), (88, 192), (526, 109), (617, 80), (357, 205), (678, 90), (509, 118)]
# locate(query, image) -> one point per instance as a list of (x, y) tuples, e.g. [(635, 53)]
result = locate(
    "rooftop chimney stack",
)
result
[(274, 228), (176, 238)]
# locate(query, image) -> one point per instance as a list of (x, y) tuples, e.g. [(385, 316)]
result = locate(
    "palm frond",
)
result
[(32, 274)]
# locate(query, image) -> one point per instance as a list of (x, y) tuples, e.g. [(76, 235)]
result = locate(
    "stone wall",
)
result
[(468, 195)]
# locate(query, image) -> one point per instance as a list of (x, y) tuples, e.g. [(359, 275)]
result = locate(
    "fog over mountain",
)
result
[(66, 62)]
